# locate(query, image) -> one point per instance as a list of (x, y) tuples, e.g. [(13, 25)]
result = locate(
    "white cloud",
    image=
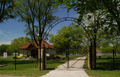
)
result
[(3, 34), (5, 42), (5, 31)]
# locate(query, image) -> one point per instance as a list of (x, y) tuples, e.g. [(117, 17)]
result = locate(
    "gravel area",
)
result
[(74, 71)]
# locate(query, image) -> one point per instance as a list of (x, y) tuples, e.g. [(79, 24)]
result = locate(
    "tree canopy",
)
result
[(3, 48), (68, 38), (6, 10), (35, 12), (16, 43)]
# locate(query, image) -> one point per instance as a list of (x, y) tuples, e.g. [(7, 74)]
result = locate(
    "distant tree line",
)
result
[(15, 44)]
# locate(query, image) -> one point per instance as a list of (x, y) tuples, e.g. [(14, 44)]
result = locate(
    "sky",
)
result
[(11, 29)]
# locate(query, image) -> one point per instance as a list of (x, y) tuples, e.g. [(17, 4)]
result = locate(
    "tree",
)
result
[(6, 9), (38, 12), (111, 41), (83, 7), (95, 26), (16, 43), (29, 33), (113, 8), (68, 39), (3, 48)]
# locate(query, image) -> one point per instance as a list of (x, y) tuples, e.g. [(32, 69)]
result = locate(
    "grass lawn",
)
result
[(105, 67), (27, 67)]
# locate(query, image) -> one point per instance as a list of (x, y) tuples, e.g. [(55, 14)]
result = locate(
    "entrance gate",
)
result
[(53, 24)]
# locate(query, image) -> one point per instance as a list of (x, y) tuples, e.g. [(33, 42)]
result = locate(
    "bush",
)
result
[(54, 57), (48, 57), (58, 57), (17, 57), (24, 56), (14, 57)]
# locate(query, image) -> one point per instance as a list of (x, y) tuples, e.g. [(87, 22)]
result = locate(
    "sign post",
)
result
[(15, 59)]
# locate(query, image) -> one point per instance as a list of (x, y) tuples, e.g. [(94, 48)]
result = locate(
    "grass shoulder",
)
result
[(27, 67), (105, 67)]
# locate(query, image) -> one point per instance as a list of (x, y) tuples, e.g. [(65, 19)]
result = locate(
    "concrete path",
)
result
[(75, 71)]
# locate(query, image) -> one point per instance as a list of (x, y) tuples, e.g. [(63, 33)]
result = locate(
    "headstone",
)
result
[(5, 54)]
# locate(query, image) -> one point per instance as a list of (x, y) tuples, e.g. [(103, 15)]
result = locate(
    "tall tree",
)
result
[(113, 7), (6, 9), (68, 39), (111, 41), (29, 33), (95, 26), (16, 43), (38, 12), (83, 7), (3, 48)]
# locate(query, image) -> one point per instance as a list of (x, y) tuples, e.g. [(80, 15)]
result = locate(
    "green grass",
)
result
[(27, 67), (103, 73), (105, 67)]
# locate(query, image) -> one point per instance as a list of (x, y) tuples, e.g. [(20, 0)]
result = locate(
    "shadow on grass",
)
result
[(20, 64), (17, 62), (107, 64), (50, 68), (56, 61)]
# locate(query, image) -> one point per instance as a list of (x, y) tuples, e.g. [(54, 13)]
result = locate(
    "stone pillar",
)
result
[(42, 64), (90, 58), (42, 59)]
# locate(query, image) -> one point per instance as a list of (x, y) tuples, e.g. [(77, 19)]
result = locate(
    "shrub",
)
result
[(14, 57), (55, 57), (24, 56), (58, 56), (17, 57), (48, 57)]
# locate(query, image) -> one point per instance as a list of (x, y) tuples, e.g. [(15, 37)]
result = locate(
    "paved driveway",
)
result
[(75, 71)]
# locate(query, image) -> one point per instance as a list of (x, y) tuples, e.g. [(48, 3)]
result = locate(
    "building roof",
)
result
[(29, 46), (98, 50)]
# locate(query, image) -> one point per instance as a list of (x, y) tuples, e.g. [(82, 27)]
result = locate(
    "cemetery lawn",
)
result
[(105, 67), (27, 67)]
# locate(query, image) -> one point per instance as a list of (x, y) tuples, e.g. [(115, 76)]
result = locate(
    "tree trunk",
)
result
[(39, 57), (115, 53), (44, 57), (113, 60), (94, 51), (94, 56)]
